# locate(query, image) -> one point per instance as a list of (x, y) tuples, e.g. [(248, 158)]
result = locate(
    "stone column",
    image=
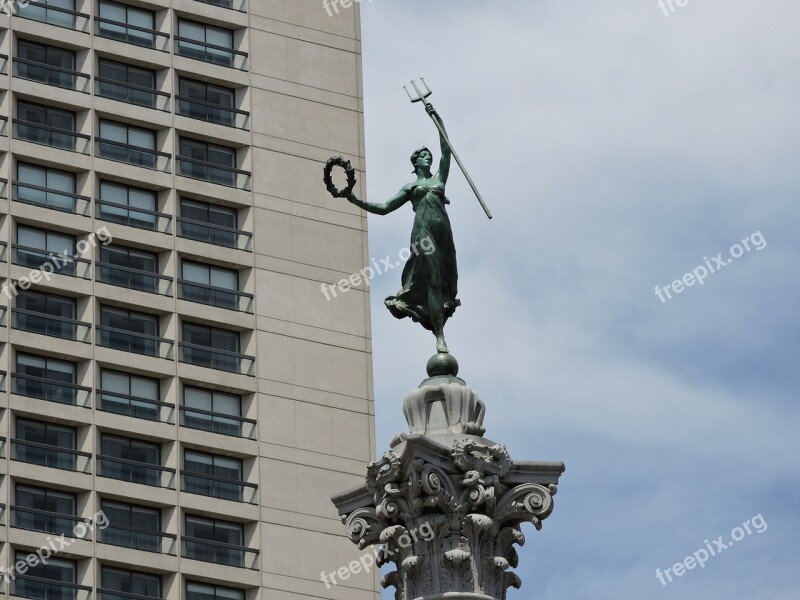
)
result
[(445, 502)]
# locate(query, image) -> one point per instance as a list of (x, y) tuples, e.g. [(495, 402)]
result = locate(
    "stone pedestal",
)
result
[(447, 503)]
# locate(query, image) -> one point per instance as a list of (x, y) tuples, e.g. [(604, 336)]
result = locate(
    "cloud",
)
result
[(616, 147)]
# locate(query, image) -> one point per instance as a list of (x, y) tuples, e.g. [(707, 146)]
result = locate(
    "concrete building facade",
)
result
[(178, 397)]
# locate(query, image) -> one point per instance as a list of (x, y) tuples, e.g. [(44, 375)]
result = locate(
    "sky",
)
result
[(619, 148)]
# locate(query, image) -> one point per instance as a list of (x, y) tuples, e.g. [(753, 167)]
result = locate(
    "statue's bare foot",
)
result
[(441, 346)]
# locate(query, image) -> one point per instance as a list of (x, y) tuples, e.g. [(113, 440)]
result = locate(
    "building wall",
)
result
[(309, 393)]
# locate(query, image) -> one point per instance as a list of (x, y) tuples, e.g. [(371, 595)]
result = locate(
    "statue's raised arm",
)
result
[(444, 162)]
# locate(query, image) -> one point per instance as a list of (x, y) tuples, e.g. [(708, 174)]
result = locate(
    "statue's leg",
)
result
[(436, 314)]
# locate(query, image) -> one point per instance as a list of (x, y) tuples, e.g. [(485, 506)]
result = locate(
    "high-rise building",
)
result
[(170, 367)]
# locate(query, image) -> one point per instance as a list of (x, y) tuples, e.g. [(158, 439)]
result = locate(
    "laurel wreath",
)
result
[(338, 161)]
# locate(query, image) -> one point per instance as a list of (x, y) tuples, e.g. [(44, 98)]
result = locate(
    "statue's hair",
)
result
[(416, 154)]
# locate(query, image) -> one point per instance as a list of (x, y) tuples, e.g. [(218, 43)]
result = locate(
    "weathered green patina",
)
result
[(430, 278)]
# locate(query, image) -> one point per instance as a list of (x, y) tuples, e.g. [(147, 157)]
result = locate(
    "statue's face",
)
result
[(424, 159)]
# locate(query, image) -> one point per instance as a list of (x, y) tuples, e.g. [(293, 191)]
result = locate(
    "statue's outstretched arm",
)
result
[(444, 163), (390, 205)]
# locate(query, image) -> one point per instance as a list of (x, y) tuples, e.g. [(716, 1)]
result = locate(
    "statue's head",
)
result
[(421, 158)]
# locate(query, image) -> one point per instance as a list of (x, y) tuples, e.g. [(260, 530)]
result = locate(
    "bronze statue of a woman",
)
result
[(430, 280)]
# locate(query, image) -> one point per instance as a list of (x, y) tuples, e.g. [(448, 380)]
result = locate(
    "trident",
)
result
[(423, 98)]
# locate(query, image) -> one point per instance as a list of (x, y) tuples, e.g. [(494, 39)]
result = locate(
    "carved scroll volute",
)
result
[(527, 502), (363, 527)]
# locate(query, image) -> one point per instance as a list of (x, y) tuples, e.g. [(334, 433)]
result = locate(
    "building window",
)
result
[(39, 247), (130, 268), (211, 410), (46, 379), (46, 64), (53, 579), (44, 186), (42, 509), (48, 314), (129, 24), (128, 205), (46, 125), (207, 102), (210, 223), (45, 444), (130, 584), (208, 284), (206, 43), (128, 144), (129, 331), (210, 540), (128, 83), (132, 526), (60, 13), (205, 591), (212, 348), (130, 460), (208, 162), (129, 395), (213, 475)]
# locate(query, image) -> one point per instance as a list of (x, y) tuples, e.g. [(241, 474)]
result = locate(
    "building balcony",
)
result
[(212, 358), (135, 279), (133, 155), (219, 553), (218, 487), (212, 113), (213, 173), (51, 390), (224, 424), (211, 53), (135, 406), (54, 15), (37, 259), (54, 457), (138, 343), (237, 5), (217, 235), (39, 588), (131, 94), (138, 539), (55, 137), (134, 471), (125, 214), (215, 296), (32, 519), (36, 195), (51, 75), (131, 34), (53, 326)]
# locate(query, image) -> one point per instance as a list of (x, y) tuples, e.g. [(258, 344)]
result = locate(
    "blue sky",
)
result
[(617, 146)]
